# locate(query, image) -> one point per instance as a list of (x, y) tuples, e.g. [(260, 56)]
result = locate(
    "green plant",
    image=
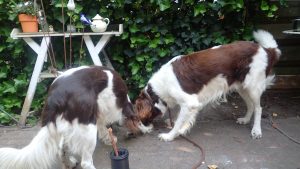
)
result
[(27, 7), (154, 32), (68, 15)]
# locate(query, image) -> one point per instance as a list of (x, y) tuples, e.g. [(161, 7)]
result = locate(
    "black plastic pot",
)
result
[(121, 161)]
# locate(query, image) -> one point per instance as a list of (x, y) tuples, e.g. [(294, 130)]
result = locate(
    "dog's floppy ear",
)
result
[(143, 107), (128, 111), (132, 121)]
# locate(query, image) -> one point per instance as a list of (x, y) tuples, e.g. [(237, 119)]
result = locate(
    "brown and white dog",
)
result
[(80, 103), (192, 81)]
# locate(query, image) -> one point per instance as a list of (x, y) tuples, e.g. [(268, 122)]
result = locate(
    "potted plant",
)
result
[(27, 16)]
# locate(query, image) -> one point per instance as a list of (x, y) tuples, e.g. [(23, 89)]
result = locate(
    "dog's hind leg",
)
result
[(69, 161), (250, 107), (254, 95), (88, 144)]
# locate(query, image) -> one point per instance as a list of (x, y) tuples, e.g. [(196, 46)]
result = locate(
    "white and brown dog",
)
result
[(192, 81), (80, 103)]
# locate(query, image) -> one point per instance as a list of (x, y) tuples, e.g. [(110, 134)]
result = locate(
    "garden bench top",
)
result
[(17, 33)]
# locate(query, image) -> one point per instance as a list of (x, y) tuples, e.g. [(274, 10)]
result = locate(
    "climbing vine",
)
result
[(154, 32)]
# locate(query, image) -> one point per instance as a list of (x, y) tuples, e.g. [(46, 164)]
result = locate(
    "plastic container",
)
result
[(121, 161)]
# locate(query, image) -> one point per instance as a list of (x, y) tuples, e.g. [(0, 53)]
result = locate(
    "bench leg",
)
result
[(95, 50), (42, 54)]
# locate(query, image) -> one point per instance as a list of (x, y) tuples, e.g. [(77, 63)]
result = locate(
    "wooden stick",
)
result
[(113, 142)]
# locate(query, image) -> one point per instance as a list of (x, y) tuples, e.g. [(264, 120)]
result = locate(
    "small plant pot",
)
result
[(121, 161), (28, 23)]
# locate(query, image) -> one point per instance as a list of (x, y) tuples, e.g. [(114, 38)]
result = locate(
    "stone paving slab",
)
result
[(226, 144)]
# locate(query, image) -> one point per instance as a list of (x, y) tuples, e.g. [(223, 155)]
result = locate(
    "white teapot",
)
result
[(99, 24)]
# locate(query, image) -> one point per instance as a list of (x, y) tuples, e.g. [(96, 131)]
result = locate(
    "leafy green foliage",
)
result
[(24, 7), (154, 32)]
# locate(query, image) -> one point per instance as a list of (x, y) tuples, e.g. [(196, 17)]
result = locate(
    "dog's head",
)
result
[(147, 109), (132, 121)]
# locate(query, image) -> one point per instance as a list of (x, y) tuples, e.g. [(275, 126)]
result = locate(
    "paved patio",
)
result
[(226, 144)]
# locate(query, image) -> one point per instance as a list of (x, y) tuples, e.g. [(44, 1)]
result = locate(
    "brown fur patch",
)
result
[(132, 125), (75, 96), (144, 107), (197, 69), (272, 59)]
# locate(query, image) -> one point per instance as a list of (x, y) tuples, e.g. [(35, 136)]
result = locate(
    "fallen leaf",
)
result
[(213, 166)]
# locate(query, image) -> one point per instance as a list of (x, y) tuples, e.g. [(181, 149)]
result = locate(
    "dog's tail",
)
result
[(41, 153), (265, 39)]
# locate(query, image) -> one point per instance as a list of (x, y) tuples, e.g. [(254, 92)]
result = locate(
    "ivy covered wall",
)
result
[(154, 32)]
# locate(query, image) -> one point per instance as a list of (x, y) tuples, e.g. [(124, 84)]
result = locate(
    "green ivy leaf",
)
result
[(264, 5), (78, 9), (163, 4), (124, 35), (169, 39), (19, 83), (149, 67), (163, 52), (139, 20), (2, 48), (190, 2), (133, 28), (140, 58), (11, 89), (207, 41), (4, 119), (240, 3), (118, 58), (154, 43), (3, 75), (270, 14), (135, 68), (146, 28), (274, 8), (199, 9), (190, 50)]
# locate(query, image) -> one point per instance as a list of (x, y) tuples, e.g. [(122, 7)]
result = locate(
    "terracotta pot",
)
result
[(28, 23)]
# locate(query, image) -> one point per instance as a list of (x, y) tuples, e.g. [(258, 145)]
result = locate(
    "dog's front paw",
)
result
[(243, 120), (165, 137), (256, 133), (145, 129)]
